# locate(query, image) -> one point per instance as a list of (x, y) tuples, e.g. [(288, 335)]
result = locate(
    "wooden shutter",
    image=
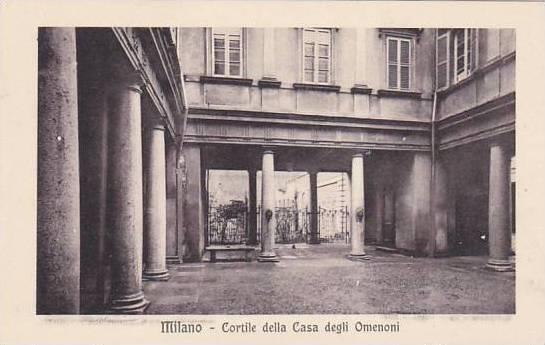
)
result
[(472, 49), (442, 59), (316, 55), (404, 64), (227, 51), (392, 52)]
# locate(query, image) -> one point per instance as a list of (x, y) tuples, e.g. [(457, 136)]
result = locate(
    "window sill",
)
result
[(226, 80), (316, 87), (361, 89), (399, 93), (269, 83)]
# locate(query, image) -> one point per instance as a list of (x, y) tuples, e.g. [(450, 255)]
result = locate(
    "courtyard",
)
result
[(318, 279)]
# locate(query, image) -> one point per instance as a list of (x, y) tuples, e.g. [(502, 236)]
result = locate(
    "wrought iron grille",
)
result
[(293, 225), (333, 224), (227, 224)]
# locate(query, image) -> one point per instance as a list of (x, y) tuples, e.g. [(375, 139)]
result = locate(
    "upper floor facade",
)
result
[(380, 80), (370, 73)]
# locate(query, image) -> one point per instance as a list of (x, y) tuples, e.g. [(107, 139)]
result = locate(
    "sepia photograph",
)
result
[(298, 172), (211, 170)]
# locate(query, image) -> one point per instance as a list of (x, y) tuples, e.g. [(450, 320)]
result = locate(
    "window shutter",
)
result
[(404, 59), (472, 50), (392, 63), (316, 55), (227, 51), (442, 57)]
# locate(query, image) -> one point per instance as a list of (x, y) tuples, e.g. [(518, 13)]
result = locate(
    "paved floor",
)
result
[(320, 280)]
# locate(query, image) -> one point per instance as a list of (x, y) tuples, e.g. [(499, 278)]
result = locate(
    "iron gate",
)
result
[(333, 224), (293, 225), (227, 224)]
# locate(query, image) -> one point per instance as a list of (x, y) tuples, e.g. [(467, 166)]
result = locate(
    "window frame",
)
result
[(446, 35), (226, 32), (470, 51), (316, 60), (398, 62)]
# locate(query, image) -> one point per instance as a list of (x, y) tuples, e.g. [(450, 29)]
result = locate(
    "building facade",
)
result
[(421, 121)]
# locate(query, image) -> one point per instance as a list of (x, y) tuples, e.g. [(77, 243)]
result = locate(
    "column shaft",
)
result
[(193, 203), (155, 216), (58, 271), (357, 207), (440, 210), (252, 217), (379, 213), (268, 221), (314, 233), (499, 230), (125, 197), (172, 219)]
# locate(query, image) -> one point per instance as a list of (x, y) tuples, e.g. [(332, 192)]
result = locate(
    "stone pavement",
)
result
[(320, 280)]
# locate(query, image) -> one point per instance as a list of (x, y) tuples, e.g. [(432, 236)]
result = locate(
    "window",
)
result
[(398, 63), (317, 56), (464, 52), (442, 56), (227, 52)]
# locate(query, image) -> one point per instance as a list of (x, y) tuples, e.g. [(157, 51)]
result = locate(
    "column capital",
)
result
[(133, 81), (154, 122), (268, 149), (361, 153)]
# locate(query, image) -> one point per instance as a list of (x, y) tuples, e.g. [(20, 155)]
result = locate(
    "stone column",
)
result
[(58, 228), (440, 210), (125, 196), (268, 221), (357, 210), (172, 221), (155, 216), (314, 233), (379, 213), (193, 214), (252, 217), (499, 230)]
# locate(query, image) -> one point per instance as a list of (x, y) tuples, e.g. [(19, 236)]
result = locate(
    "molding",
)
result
[(225, 80), (361, 89), (269, 83), (316, 87), (400, 32), (482, 135), (136, 47), (228, 115), (485, 121), (305, 143), (488, 108), (399, 93)]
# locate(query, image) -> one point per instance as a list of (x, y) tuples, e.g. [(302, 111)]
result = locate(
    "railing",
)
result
[(333, 224), (227, 225), (293, 224)]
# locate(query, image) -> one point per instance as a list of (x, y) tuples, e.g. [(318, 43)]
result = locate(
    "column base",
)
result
[(358, 257), (267, 257), (500, 265), (132, 304), (173, 260), (161, 275)]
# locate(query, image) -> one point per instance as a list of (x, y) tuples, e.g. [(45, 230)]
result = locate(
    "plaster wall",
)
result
[(347, 69)]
